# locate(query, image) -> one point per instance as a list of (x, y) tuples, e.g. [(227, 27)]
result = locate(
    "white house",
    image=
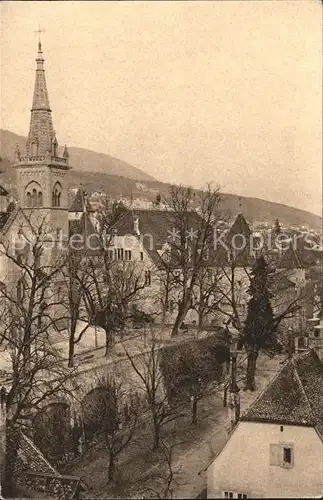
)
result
[(276, 449)]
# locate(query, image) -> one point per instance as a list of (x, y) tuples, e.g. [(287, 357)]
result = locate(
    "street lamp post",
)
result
[(234, 397)]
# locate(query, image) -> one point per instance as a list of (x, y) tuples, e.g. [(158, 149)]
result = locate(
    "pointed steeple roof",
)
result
[(240, 227), (237, 240), (41, 131), (80, 203)]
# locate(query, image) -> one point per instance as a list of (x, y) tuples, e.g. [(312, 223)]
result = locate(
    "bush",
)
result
[(183, 364)]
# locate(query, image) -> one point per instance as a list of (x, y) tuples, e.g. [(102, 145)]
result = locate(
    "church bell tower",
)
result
[(42, 172)]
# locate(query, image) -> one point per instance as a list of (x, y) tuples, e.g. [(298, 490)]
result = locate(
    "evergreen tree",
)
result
[(260, 323)]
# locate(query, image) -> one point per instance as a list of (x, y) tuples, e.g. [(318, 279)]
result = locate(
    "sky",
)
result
[(190, 92)]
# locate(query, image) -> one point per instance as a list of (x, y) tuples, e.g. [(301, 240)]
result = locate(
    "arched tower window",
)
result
[(56, 195), (34, 198), (28, 199), (40, 199), (33, 195)]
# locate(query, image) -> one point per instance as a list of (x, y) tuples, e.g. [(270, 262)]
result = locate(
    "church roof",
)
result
[(4, 216), (78, 203), (295, 395)]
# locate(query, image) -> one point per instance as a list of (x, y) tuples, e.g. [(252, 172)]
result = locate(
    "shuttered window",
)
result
[(281, 454)]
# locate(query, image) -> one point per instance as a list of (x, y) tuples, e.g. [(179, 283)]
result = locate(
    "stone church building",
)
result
[(42, 180)]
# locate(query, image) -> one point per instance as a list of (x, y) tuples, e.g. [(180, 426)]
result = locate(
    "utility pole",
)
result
[(290, 343)]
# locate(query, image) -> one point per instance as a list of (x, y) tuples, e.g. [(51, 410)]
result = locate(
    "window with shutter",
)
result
[(287, 455), (275, 454)]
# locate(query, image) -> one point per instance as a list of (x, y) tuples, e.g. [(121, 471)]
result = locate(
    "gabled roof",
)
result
[(8, 218), (239, 226), (291, 259), (237, 240), (78, 203), (281, 284), (84, 227), (4, 216), (295, 395), (155, 226)]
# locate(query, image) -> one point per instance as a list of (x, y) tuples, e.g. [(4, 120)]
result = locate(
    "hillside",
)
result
[(123, 184), (83, 159)]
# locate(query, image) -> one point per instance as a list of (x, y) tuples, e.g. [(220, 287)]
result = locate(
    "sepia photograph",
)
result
[(161, 249)]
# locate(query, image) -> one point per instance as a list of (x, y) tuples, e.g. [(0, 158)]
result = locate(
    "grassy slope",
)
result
[(122, 185)]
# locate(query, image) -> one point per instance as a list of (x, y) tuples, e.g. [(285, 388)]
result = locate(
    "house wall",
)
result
[(243, 465)]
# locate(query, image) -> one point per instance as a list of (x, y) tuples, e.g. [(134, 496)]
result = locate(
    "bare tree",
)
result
[(109, 286), (193, 217), (31, 307), (193, 369), (206, 296), (110, 293), (74, 285), (162, 480), (151, 382), (112, 415)]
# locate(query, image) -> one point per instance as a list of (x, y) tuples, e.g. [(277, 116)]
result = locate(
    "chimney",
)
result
[(136, 225)]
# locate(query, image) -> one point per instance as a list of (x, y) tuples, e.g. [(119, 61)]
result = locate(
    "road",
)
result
[(192, 463)]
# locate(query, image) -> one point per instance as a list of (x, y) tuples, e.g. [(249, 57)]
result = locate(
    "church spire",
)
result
[(41, 131)]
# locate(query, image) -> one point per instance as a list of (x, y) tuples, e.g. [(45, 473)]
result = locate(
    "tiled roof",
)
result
[(282, 283), (237, 239), (7, 218), (239, 226), (4, 216), (3, 191), (77, 204), (295, 396), (78, 227), (155, 223)]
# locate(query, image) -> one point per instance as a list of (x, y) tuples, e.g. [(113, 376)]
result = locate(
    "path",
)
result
[(192, 479)]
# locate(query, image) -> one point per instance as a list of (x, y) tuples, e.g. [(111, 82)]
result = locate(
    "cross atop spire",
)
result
[(39, 31)]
